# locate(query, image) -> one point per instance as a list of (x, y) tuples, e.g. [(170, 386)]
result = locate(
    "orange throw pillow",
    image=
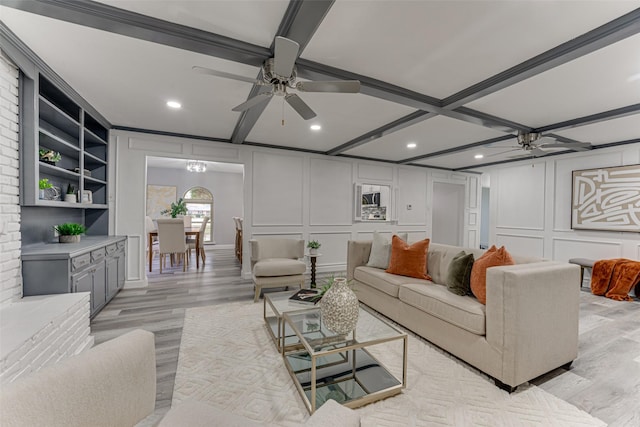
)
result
[(409, 260), (492, 258)]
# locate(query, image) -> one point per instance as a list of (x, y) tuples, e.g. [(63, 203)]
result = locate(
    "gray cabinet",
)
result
[(95, 265)]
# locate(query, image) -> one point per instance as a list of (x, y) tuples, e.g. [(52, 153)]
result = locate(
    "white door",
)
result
[(448, 213)]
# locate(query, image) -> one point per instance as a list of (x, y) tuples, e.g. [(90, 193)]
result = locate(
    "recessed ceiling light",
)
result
[(479, 156), (316, 127), (412, 145), (174, 104)]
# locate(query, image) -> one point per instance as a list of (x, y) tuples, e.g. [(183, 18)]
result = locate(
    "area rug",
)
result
[(227, 359)]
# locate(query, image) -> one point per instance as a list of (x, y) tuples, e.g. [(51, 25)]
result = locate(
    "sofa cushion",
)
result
[(381, 250), (492, 258), (409, 260), (278, 267), (440, 257), (383, 281), (459, 274), (462, 311)]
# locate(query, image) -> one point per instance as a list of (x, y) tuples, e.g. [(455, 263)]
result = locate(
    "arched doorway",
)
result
[(199, 203)]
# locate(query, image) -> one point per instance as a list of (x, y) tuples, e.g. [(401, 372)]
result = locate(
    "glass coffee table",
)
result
[(325, 365), (275, 305)]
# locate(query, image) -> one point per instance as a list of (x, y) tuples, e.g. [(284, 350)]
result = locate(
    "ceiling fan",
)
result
[(279, 72), (533, 144)]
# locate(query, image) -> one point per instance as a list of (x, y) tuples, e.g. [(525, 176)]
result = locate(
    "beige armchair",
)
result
[(276, 263)]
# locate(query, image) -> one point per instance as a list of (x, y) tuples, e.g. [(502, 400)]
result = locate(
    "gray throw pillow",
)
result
[(381, 250), (459, 274)]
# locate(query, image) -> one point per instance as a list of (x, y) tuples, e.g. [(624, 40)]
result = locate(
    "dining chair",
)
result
[(192, 242), (149, 226), (187, 221), (172, 241)]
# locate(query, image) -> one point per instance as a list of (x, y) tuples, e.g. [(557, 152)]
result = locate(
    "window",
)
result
[(199, 203)]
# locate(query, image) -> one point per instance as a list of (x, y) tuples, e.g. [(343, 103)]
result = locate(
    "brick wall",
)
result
[(10, 274)]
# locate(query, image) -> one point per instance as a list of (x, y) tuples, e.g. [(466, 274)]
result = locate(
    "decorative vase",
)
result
[(71, 198), (339, 307), (313, 251), (69, 239), (41, 195)]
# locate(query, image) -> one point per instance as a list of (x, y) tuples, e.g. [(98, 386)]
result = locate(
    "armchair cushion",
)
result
[(278, 267)]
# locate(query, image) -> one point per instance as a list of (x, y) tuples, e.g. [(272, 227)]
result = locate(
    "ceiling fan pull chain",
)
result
[(282, 111)]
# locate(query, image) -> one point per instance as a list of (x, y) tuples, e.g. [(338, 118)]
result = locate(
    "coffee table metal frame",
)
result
[(275, 305), (346, 348)]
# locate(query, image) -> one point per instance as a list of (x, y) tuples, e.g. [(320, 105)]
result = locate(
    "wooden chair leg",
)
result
[(256, 296)]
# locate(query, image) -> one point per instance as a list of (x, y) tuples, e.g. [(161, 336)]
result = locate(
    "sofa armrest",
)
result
[(357, 254), (112, 384), (532, 317)]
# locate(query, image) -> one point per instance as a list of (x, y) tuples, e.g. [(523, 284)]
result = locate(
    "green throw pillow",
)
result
[(459, 274)]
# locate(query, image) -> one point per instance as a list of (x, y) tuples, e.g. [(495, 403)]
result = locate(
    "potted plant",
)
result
[(49, 156), (44, 184), (313, 246), (177, 208), (70, 196), (70, 232)]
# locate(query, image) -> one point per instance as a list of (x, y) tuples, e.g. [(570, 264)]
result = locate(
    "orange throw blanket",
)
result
[(614, 278)]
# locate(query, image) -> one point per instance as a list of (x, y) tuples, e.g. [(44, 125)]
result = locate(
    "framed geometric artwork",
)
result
[(606, 199)]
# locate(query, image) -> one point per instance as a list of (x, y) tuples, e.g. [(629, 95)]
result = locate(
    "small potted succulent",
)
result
[(43, 185), (70, 196), (70, 232), (313, 246), (177, 208)]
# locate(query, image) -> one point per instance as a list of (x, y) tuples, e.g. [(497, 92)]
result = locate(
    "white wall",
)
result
[(10, 272), (531, 208), (286, 193), (227, 195)]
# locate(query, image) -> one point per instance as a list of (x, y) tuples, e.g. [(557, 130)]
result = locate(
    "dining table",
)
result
[(188, 231)]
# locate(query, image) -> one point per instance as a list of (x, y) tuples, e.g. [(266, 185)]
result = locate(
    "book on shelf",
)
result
[(305, 296)]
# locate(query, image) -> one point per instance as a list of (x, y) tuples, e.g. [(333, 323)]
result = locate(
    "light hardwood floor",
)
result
[(604, 380)]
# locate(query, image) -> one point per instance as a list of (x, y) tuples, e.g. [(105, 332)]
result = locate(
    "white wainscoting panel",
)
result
[(330, 192), (277, 189), (523, 245), (563, 182), (155, 146), (565, 249), (472, 239), (375, 172), (473, 218), (334, 247), (136, 249), (521, 197), (217, 152), (412, 191), (474, 189)]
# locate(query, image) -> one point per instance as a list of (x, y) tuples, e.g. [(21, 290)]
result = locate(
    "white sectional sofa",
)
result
[(528, 327)]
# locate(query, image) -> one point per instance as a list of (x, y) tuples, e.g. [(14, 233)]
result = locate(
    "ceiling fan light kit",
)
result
[(280, 73)]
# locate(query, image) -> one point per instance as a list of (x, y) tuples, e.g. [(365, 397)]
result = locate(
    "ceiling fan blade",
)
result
[(300, 106), (536, 152), (252, 102), (284, 56), (579, 146), (341, 86), (211, 72), (502, 152)]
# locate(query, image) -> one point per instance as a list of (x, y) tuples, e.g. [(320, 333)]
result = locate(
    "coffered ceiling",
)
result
[(456, 78)]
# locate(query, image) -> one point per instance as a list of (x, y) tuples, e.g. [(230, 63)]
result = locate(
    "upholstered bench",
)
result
[(583, 263)]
